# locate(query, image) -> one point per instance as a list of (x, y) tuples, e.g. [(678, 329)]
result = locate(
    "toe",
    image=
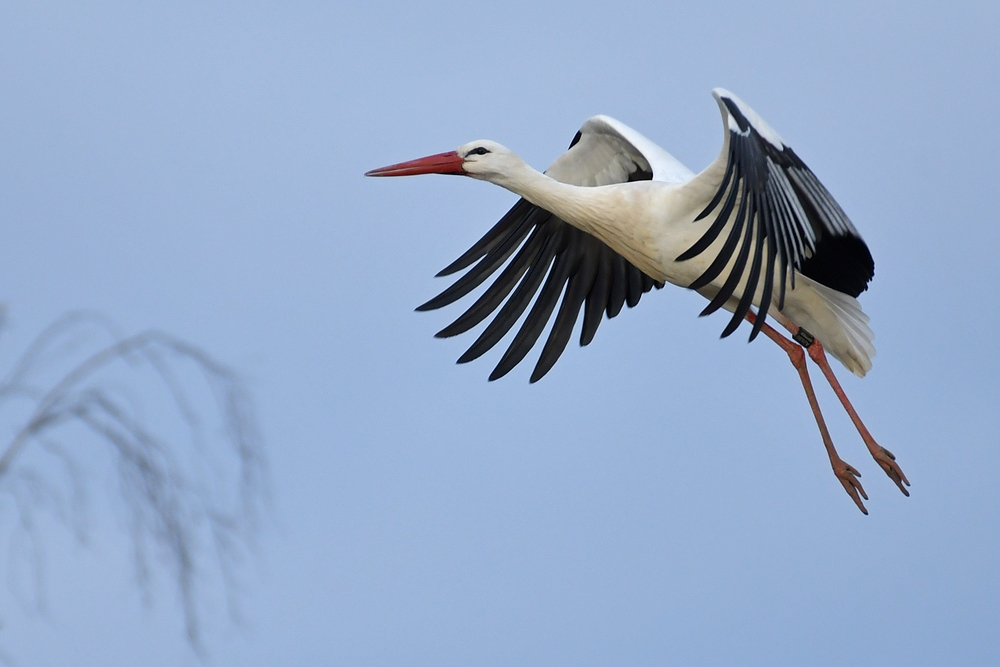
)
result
[(888, 463), (848, 477)]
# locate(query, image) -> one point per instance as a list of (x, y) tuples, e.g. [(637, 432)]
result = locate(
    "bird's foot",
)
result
[(848, 476), (887, 461)]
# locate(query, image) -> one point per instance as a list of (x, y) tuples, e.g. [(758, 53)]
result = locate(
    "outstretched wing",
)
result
[(783, 215), (551, 258)]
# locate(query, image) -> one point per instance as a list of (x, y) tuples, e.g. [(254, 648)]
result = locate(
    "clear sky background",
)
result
[(661, 497)]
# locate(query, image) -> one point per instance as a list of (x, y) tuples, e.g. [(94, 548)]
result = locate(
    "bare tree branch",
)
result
[(194, 512)]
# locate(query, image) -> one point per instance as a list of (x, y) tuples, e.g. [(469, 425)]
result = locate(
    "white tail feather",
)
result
[(846, 335)]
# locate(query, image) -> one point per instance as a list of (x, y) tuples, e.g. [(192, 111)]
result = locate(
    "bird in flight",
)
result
[(755, 233)]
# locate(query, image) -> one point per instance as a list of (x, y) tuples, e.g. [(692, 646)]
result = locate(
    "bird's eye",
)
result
[(478, 150)]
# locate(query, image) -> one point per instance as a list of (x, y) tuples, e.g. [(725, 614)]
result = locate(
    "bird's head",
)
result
[(483, 159)]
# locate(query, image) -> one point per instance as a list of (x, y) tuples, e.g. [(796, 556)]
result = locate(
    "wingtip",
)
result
[(498, 372), (541, 370), (719, 92), (467, 357)]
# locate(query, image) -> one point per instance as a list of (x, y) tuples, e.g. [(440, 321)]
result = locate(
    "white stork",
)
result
[(755, 233)]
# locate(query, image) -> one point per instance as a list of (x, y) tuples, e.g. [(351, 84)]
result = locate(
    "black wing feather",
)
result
[(720, 220), (619, 285), (580, 268), (499, 290), (496, 234), (492, 260), (786, 217), (581, 280), (518, 301)]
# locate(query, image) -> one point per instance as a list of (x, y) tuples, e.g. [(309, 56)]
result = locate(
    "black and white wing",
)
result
[(551, 258), (783, 215)]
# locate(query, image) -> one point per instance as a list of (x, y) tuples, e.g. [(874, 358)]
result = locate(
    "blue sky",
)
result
[(661, 497)]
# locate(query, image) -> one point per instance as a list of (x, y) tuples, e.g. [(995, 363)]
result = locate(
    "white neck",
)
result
[(587, 208), (615, 214)]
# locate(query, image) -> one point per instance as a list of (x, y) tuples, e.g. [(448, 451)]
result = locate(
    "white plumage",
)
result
[(615, 215)]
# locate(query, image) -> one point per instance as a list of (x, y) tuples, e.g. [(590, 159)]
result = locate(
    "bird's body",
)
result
[(651, 223), (616, 215)]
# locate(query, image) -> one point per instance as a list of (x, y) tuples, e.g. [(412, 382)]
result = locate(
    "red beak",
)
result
[(442, 163)]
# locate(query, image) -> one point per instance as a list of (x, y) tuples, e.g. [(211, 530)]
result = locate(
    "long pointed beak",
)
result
[(442, 163)]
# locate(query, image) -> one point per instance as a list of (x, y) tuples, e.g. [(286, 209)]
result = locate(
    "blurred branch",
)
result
[(193, 512)]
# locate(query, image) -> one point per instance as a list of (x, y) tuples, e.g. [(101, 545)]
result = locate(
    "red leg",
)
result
[(845, 472), (882, 456)]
